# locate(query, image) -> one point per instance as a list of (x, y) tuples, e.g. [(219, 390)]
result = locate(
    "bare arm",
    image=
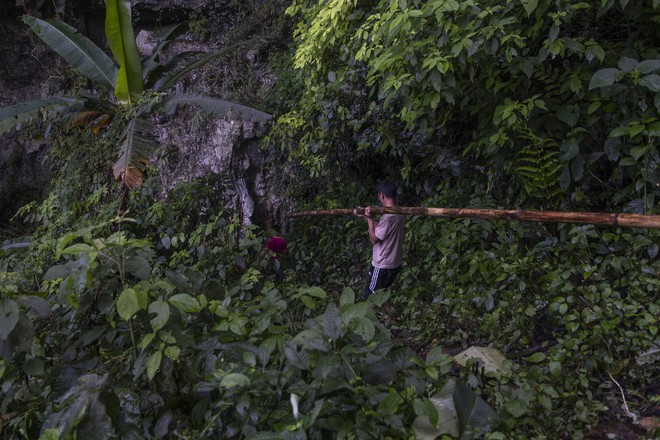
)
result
[(372, 226), (371, 223)]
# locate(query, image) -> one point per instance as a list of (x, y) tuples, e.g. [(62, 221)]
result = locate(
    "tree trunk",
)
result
[(595, 218)]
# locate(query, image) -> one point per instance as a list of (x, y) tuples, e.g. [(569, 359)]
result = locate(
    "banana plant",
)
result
[(122, 83)]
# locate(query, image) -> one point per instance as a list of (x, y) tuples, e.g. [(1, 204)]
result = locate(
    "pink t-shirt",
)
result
[(388, 252)]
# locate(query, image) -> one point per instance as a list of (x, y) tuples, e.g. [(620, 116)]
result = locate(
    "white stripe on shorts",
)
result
[(374, 279)]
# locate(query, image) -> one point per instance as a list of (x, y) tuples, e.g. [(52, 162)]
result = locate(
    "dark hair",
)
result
[(387, 187)]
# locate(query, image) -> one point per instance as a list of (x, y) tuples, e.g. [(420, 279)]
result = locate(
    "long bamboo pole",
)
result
[(596, 218)]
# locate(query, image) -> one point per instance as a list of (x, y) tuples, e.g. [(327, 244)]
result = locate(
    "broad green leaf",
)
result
[(43, 109), (162, 426), (78, 248), (237, 325), (363, 327), (380, 372), (142, 297), (354, 310), (138, 266), (172, 352), (604, 78), (235, 380), (121, 39), (651, 82), (146, 340), (185, 303), (424, 407), (37, 305), (58, 271), (653, 129), (347, 297), (316, 292), (517, 408), (435, 355), (593, 107), (79, 51), (619, 131), (636, 129), (226, 109), (264, 435), (82, 411), (648, 66), (627, 64), (536, 357), (9, 314), (639, 151), (494, 361), (332, 322), (162, 311), (127, 304), (443, 401), (569, 114), (153, 364), (311, 339), (297, 358), (571, 149), (594, 51), (475, 416), (555, 368), (529, 5)]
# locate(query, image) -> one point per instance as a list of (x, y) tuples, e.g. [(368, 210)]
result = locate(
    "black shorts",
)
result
[(378, 278)]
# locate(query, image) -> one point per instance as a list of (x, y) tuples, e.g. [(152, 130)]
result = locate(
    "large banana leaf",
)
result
[(163, 39), (137, 145), (80, 52), (219, 107), (119, 32), (170, 76), (460, 412), (14, 115), (156, 73)]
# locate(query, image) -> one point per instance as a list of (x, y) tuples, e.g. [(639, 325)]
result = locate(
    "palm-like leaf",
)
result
[(137, 145), (79, 51), (163, 38), (219, 107), (170, 75), (157, 74), (119, 32), (15, 115)]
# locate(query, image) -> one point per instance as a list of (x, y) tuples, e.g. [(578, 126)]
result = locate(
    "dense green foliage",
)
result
[(557, 98), (173, 321)]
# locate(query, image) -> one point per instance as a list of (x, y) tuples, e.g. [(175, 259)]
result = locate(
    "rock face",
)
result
[(221, 147), (192, 145), (28, 72)]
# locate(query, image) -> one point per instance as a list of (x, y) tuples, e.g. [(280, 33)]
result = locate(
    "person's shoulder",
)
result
[(393, 218)]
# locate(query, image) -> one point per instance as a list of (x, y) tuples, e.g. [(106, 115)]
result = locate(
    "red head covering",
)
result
[(276, 244)]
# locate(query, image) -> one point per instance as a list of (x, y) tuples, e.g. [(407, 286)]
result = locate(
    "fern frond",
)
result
[(538, 166)]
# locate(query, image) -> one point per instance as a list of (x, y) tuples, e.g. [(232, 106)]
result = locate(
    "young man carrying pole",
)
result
[(386, 236)]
